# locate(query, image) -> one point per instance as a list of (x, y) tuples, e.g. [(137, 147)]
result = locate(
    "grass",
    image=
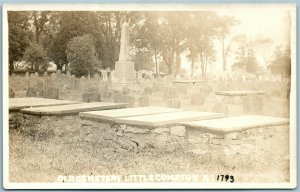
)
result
[(35, 160)]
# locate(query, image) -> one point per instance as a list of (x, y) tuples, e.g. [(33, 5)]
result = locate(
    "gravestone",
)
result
[(53, 76), (91, 97), (197, 99), (148, 90), (144, 101), (50, 93), (27, 75), (96, 76), (126, 90), (31, 92), (104, 75), (11, 93), (68, 73), (112, 115), (58, 73)]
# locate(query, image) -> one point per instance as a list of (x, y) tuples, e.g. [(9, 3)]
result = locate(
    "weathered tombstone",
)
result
[(11, 93), (65, 88), (68, 73), (221, 108), (104, 75), (27, 75), (148, 91), (252, 104), (39, 85), (139, 75), (50, 93), (76, 83), (197, 99), (91, 97), (53, 76), (58, 73), (112, 75), (144, 101), (173, 103), (36, 74), (45, 74), (31, 92), (125, 91), (97, 76)]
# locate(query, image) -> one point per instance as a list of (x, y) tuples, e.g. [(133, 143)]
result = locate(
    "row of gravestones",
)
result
[(46, 92)]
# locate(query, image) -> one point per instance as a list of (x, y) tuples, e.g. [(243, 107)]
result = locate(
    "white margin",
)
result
[(156, 185)]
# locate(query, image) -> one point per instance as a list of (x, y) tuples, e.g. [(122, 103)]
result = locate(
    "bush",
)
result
[(37, 57), (81, 54)]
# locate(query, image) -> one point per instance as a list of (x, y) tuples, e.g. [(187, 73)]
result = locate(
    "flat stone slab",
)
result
[(72, 109), (111, 115), (166, 119), (236, 124), (238, 93), (16, 104)]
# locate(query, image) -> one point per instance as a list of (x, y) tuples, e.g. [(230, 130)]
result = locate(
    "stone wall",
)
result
[(43, 127), (261, 143)]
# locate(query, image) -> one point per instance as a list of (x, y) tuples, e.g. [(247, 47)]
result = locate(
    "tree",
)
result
[(37, 57), (19, 35), (281, 64), (200, 35), (143, 61), (81, 54), (40, 19), (223, 26), (264, 44), (147, 37), (67, 24), (245, 56)]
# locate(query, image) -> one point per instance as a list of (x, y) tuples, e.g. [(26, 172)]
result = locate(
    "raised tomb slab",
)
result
[(140, 130), (112, 115), (42, 122), (17, 104)]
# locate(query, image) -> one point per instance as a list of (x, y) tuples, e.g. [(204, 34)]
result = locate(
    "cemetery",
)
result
[(121, 121)]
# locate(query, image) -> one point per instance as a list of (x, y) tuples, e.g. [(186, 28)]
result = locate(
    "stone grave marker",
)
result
[(31, 92), (72, 109), (92, 96), (11, 93), (166, 119), (16, 104), (111, 115)]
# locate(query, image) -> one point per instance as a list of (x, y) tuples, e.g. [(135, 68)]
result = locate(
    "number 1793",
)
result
[(225, 178)]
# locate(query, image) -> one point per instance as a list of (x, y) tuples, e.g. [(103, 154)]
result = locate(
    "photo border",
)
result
[(148, 185)]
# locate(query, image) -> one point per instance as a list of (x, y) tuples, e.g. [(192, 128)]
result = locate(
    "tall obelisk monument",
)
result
[(124, 68)]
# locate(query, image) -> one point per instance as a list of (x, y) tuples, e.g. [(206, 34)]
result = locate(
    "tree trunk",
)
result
[(223, 54), (192, 65)]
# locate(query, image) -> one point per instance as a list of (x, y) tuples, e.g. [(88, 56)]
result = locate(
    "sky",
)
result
[(271, 22)]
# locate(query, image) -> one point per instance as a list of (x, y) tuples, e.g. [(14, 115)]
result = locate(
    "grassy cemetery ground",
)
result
[(43, 159)]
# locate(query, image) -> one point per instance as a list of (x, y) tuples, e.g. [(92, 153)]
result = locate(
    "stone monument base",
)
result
[(125, 76), (119, 85), (124, 71)]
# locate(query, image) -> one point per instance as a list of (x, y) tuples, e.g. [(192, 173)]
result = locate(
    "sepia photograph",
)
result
[(149, 96)]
